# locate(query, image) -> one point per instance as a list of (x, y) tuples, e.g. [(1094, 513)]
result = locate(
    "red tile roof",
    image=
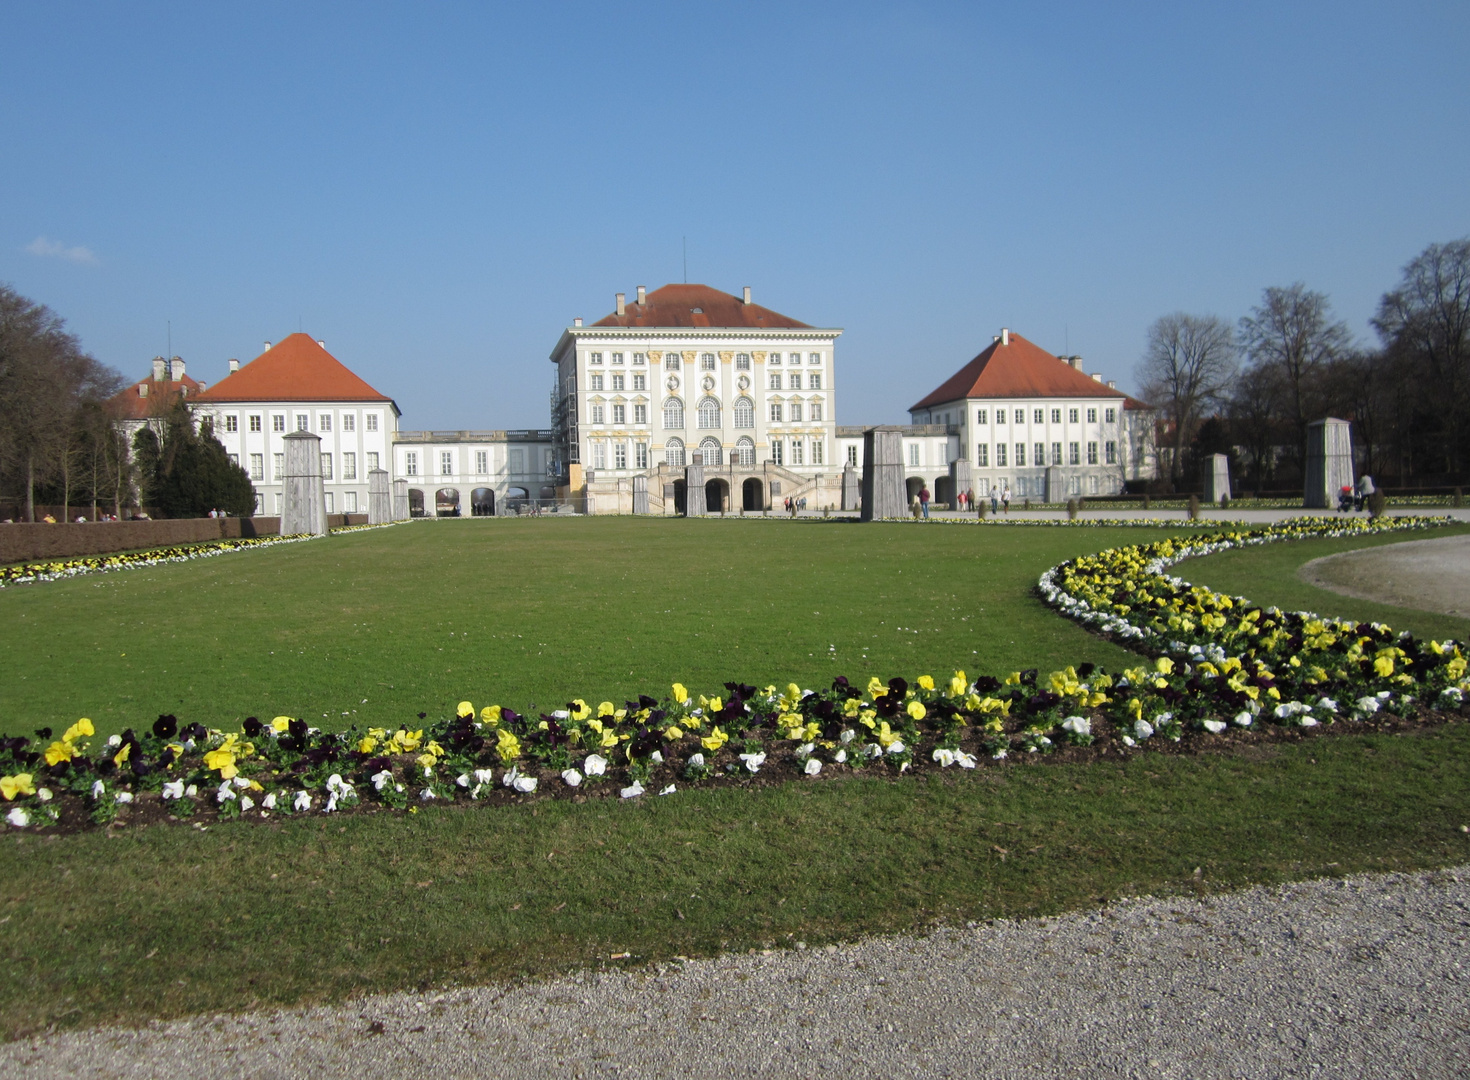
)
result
[(699, 305), (296, 369), (1019, 369), (130, 406)]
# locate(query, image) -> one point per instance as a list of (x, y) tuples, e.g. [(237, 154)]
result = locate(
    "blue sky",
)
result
[(436, 189)]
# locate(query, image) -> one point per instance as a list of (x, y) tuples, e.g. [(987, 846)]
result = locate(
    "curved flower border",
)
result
[(1217, 664)]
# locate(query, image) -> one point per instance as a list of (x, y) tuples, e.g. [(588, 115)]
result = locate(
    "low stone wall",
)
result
[(33, 543)]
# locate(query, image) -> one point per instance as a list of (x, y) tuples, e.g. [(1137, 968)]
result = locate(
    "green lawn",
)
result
[(386, 623), (127, 925)]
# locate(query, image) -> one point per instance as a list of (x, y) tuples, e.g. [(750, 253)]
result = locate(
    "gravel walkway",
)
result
[(1432, 575), (1337, 978)]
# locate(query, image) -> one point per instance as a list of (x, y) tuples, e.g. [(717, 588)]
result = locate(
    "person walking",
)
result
[(1364, 491), (960, 502), (970, 498), (994, 499), (1005, 497), (924, 499)]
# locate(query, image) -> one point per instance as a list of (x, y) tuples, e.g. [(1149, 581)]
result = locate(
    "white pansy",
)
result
[(848, 734), (302, 802), (805, 749), (1214, 727), (174, 789), (463, 779), (571, 777), (896, 747), (964, 760), (1367, 705), (225, 793), (632, 791), (427, 795), (840, 757), (1243, 719), (1327, 703), (124, 796), (595, 765), (242, 783), (269, 802), (668, 790), (192, 791), (944, 757), (560, 714), (813, 766), (657, 757), (382, 779), (696, 761), (511, 776), (1142, 729), (753, 762), (114, 741), (525, 784), (484, 776), (246, 802), (98, 787), (1452, 695), (18, 817), (1129, 741), (43, 794), (1077, 725)]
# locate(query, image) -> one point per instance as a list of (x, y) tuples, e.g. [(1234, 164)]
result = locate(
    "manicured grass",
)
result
[(1268, 576), (169, 920), (383, 624)]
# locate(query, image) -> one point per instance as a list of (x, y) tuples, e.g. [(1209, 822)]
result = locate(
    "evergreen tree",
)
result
[(189, 473)]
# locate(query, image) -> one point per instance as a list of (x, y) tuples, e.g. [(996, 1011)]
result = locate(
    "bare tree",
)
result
[(1187, 367), (1425, 323), (1292, 334)]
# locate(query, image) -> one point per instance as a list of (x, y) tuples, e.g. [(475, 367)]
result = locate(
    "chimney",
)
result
[(995, 339), (267, 346), (1097, 376), (1005, 335), (622, 299), (176, 369), (203, 387), (234, 365), (1077, 362), (577, 321), (1112, 385), (747, 294), (320, 343), (160, 369), (143, 388), (642, 295)]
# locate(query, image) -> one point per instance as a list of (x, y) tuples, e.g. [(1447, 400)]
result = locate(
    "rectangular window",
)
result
[(349, 466), (982, 417), (640, 455), (1073, 455), (517, 461), (1056, 418), (1110, 416), (278, 466), (257, 466), (446, 463), (303, 422), (1092, 416), (639, 359), (1020, 455), (852, 456), (596, 380), (775, 380), (778, 449), (1110, 452), (776, 411), (349, 502), (671, 361), (326, 466), (620, 414), (796, 380), (1071, 416), (819, 452), (1000, 455), (325, 422), (259, 503), (278, 504), (816, 412), (372, 460), (640, 414), (814, 380), (349, 421), (278, 422), (372, 421), (1092, 453), (1000, 416), (410, 463), (797, 445), (232, 423), (329, 501), (814, 358), (617, 358), (597, 414), (1037, 416), (1056, 453), (620, 455), (913, 453), (796, 412), (255, 422), (640, 381), (482, 462), (742, 361), (594, 358), (775, 359), (617, 380), (599, 455), (982, 456)]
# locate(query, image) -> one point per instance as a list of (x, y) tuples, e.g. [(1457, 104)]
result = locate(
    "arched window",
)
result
[(713, 455), (709, 413), (744, 413), (745, 451), (674, 453), (672, 361), (707, 361), (742, 361), (674, 414)]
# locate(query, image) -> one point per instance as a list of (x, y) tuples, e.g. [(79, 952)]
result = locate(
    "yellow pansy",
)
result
[(673, 733), (681, 695), (223, 761), (595, 724), (280, 724), (1383, 664), (58, 752), (916, 710), (507, 745), (875, 688), (579, 709), (605, 709), (1164, 666), (465, 711), (958, 685), (19, 784), (367, 744), (926, 682), (123, 753), (406, 742), (609, 738), (82, 728), (714, 740), (490, 714)]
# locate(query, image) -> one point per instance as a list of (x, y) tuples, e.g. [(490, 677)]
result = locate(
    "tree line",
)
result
[(62, 440), (1251, 388)]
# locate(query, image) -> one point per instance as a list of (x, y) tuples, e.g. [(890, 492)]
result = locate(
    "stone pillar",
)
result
[(1329, 462), (852, 488), (303, 496), (694, 490), (400, 500), (1216, 477), (883, 487), (959, 480), (1055, 491), (640, 494), (380, 503)]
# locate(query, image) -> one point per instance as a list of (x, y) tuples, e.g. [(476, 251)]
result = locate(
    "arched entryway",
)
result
[(680, 505), (716, 496), (415, 502), (482, 502), (944, 491), (753, 494), (515, 499), (912, 486), (446, 502)]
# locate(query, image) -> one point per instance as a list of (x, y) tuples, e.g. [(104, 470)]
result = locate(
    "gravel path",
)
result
[(1432, 575), (1337, 978)]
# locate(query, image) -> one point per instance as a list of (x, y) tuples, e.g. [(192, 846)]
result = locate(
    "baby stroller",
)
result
[(1345, 501)]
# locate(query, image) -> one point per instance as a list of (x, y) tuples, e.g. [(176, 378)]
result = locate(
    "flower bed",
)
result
[(1220, 668)]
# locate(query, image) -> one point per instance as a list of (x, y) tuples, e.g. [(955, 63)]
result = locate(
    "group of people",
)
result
[(794, 506), (1356, 496), (1000, 500)]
